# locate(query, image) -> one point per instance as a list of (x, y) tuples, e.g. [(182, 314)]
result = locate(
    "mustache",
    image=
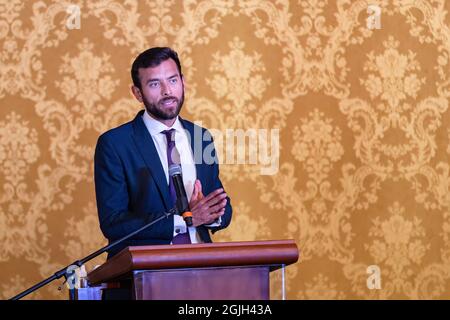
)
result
[(168, 98)]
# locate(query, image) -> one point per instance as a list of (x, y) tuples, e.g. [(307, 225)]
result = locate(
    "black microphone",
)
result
[(182, 201)]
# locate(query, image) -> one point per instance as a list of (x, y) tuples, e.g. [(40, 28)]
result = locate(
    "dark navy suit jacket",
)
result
[(131, 186)]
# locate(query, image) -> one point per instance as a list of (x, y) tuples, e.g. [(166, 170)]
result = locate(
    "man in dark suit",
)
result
[(132, 182)]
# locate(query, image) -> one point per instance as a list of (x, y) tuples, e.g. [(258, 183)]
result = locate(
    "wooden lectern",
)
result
[(209, 271)]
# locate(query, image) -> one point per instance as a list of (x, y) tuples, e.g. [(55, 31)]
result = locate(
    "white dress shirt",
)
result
[(183, 146)]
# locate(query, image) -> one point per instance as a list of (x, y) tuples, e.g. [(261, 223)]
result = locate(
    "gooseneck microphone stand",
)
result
[(67, 273)]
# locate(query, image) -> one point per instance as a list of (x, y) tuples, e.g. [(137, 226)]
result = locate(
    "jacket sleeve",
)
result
[(111, 189)]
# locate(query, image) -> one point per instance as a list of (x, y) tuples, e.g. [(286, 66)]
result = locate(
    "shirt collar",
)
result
[(155, 127)]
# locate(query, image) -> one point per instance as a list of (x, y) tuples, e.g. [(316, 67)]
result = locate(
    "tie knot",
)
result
[(170, 135)]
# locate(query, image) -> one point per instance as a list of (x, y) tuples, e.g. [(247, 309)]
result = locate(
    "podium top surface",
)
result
[(204, 255)]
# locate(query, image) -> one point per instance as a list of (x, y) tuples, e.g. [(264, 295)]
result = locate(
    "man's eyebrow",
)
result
[(152, 80), (157, 79)]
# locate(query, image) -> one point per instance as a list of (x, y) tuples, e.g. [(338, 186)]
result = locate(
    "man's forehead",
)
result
[(165, 69)]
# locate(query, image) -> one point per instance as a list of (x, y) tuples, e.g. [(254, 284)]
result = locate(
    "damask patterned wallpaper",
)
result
[(357, 92)]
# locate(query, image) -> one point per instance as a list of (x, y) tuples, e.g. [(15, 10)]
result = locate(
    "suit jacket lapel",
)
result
[(146, 147)]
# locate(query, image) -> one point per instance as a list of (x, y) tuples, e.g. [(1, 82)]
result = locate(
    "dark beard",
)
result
[(158, 113)]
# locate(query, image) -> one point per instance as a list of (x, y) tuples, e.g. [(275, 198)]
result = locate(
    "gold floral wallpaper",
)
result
[(358, 92)]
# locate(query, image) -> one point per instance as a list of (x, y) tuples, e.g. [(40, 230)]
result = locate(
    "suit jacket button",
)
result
[(177, 230)]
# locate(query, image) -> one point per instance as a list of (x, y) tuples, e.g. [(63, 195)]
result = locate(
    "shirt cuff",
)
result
[(216, 223), (179, 226)]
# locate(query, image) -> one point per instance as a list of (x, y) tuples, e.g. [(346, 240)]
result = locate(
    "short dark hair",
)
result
[(151, 58)]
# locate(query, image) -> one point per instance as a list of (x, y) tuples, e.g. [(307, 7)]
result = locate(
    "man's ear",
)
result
[(182, 80), (137, 93)]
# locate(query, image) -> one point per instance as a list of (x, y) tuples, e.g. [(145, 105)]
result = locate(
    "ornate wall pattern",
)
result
[(363, 114)]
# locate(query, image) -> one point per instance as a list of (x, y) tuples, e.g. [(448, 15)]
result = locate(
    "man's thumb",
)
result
[(199, 184), (195, 191)]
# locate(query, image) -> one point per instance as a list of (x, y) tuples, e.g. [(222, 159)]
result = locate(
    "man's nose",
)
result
[(165, 89)]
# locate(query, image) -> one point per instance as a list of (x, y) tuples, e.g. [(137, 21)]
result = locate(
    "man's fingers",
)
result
[(207, 214), (199, 184), (196, 191), (210, 196), (218, 207), (216, 199), (213, 194), (216, 216)]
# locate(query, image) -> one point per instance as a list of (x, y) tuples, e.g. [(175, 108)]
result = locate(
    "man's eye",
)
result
[(174, 80), (153, 84)]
